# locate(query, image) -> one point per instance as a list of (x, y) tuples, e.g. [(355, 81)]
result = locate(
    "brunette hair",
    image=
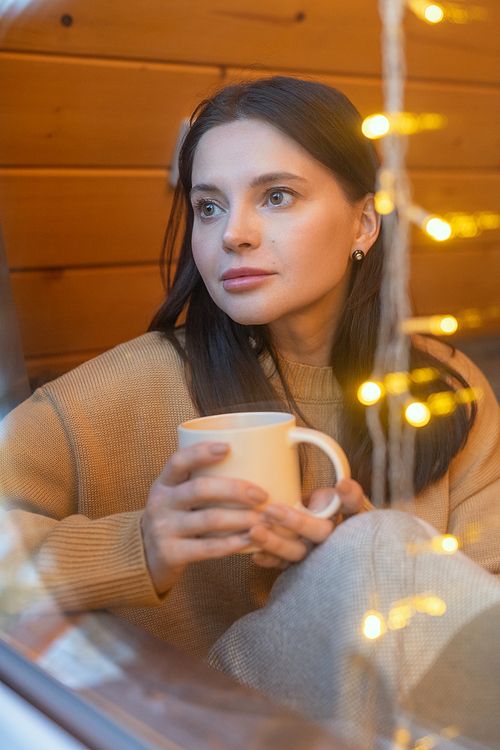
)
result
[(222, 356)]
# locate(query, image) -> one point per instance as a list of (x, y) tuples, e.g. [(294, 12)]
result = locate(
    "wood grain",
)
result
[(319, 35), (458, 280), (79, 111), (79, 217), (74, 310)]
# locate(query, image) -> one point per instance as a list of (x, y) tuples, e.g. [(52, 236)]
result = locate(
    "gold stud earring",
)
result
[(358, 255)]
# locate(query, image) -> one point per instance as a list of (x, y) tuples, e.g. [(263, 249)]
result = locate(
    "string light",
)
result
[(438, 229), (433, 225), (403, 123), (426, 11), (375, 126), (417, 414), (449, 543), (442, 544), (451, 11), (434, 13), (373, 625), (438, 325), (369, 393)]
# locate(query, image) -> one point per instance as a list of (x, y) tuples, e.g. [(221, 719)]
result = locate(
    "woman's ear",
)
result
[(368, 225)]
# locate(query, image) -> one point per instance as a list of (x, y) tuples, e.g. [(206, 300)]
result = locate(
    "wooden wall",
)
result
[(92, 94)]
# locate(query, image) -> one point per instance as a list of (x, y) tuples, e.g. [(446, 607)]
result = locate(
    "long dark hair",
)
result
[(222, 356)]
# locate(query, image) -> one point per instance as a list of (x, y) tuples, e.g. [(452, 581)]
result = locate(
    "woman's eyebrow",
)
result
[(204, 187), (264, 179)]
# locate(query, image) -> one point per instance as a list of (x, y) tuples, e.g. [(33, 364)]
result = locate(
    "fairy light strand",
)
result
[(393, 346)]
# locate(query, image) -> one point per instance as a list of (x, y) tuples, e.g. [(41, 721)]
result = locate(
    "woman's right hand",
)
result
[(176, 516)]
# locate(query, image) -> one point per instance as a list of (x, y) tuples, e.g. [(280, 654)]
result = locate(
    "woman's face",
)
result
[(273, 233)]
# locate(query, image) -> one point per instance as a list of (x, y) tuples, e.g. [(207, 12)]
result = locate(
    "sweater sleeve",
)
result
[(474, 478), (82, 563)]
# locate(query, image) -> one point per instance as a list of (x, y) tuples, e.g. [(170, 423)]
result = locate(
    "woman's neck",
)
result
[(306, 336), (304, 340)]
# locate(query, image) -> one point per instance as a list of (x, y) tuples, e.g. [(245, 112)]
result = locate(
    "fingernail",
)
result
[(219, 449), (275, 513), (257, 494)]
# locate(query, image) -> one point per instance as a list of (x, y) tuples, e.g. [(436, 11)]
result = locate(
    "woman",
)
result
[(278, 275)]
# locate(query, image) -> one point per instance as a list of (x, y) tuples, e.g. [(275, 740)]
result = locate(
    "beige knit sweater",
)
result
[(77, 460)]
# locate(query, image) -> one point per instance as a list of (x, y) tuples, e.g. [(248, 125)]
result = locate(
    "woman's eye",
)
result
[(207, 209), (279, 198)]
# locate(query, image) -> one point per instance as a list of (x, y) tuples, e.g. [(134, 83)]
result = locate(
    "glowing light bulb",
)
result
[(434, 13), (373, 625), (449, 324), (444, 544), (438, 229), (449, 543), (417, 414), (438, 325), (369, 393), (375, 126), (383, 202)]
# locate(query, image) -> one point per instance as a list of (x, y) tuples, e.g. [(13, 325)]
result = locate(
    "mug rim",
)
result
[(190, 426)]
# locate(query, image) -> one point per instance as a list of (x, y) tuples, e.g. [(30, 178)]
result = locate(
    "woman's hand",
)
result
[(279, 551), (178, 513)]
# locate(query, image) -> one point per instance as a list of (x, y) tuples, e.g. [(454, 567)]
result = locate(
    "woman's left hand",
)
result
[(277, 551)]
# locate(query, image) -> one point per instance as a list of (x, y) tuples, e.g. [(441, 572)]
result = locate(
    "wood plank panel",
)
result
[(77, 111), (319, 35), (84, 309), (471, 138), (73, 217), (82, 217), (452, 281)]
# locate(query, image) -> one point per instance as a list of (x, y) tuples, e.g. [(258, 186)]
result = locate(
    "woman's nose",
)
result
[(242, 231)]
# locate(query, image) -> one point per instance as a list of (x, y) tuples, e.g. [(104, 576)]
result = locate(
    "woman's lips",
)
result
[(244, 278)]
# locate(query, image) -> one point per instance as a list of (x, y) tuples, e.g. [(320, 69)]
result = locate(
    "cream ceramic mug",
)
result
[(263, 450)]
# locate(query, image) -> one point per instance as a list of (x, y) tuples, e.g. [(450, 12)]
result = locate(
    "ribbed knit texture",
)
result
[(78, 458)]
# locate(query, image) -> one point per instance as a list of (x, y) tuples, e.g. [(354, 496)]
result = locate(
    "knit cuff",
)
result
[(93, 564)]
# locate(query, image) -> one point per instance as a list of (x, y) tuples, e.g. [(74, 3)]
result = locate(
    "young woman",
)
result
[(278, 277)]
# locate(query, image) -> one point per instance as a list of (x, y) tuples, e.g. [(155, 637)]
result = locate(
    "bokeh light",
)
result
[(442, 404), (449, 543), (444, 544), (438, 229), (438, 325), (369, 393), (375, 126), (434, 13), (417, 414), (373, 625)]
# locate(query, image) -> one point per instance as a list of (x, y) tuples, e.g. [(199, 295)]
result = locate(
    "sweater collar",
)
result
[(308, 384)]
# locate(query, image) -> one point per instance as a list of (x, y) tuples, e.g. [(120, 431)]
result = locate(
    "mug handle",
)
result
[(334, 453)]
